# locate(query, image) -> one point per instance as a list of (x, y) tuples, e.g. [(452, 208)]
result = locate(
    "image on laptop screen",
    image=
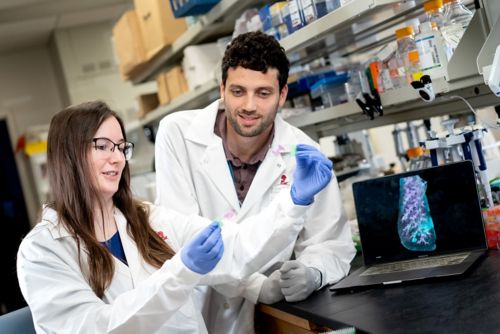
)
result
[(421, 213)]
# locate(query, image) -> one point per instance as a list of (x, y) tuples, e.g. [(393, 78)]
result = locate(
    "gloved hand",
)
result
[(298, 281), (270, 291), (204, 251), (312, 174)]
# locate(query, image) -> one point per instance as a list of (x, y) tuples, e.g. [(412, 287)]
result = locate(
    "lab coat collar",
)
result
[(57, 230), (201, 130)]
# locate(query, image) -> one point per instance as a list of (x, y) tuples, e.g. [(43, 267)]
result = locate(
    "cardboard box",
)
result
[(147, 103), (161, 83), (128, 43), (176, 82), (159, 27)]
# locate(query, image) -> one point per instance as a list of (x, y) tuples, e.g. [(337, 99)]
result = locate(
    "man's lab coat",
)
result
[(192, 176), (141, 298)]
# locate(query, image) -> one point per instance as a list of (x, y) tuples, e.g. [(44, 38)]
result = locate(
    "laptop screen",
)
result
[(419, 213)]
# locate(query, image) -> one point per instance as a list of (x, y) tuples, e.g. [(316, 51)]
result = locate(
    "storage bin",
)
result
[(331, 90), (183, 8)]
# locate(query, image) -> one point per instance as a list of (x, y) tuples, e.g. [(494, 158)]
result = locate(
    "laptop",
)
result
[(417, 225)]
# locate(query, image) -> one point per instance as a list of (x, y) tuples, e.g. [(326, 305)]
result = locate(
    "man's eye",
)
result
[(264, 93), (237, 92)]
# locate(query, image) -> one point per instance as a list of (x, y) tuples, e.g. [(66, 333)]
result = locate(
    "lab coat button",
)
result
[(226, 305), (279, 165)]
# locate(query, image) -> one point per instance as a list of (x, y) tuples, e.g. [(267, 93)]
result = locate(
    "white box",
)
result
[(200, 64)]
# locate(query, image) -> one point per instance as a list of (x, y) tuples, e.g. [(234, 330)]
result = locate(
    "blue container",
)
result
[(183, 8), (265, 18), (330, 89)]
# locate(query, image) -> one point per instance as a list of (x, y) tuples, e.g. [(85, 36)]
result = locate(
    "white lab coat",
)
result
[(190, 163), (141, 298)]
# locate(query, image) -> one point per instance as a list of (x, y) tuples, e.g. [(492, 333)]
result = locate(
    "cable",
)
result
[(485, 122)]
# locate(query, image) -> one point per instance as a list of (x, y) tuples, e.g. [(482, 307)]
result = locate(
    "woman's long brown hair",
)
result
[(69, 143)]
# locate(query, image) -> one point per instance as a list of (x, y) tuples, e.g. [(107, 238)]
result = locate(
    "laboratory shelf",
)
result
[(200, 97), (340, 17), (216, 23), (355, 29), (400, 105)]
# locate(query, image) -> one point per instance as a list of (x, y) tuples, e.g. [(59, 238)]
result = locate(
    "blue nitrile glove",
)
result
[(204, 251), (312, 173), (298, 281)]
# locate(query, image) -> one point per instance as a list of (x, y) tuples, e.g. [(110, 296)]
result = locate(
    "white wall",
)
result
[(28, 97), (90, 70)]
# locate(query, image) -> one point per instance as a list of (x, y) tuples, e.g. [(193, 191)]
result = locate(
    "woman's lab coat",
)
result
[(190, 160), (141, 298)]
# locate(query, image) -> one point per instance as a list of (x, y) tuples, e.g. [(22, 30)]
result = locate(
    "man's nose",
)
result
[(250, 103)]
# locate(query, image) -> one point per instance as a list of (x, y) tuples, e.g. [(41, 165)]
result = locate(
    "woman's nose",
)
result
[(116, 155)]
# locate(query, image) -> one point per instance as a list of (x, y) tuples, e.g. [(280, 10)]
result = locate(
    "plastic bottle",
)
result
[(457, 18), (434, 13), (385, 56), (431, 51), (413, 67), (406, 57)]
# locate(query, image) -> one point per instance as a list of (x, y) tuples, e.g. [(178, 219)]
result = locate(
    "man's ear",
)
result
[(283, 95), (221, 90)]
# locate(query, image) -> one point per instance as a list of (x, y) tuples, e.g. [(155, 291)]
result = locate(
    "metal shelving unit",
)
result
[(193, 99), (379, 22), (399, 106)]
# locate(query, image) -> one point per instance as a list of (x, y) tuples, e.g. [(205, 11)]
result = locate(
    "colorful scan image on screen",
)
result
[(415, 226)]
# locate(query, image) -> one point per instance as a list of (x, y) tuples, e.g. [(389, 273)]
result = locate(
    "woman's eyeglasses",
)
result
[(105, 146)]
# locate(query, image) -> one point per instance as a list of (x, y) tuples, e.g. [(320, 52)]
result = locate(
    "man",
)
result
[(229, 160)]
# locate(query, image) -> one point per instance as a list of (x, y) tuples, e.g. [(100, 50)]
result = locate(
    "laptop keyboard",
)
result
[(425, 263)]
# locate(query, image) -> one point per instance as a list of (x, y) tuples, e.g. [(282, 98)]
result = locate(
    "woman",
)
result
[(101, 262)]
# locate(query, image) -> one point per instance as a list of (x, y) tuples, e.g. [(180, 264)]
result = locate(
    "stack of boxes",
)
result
[(139, 36)]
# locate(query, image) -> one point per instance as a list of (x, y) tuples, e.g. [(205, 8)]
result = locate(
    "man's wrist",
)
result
[(318, 278)]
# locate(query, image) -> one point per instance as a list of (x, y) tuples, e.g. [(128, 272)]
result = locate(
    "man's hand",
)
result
[(298, 281), (270, 292), (312, 173)]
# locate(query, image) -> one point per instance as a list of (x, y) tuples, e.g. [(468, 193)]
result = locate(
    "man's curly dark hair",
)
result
[(256, 51)]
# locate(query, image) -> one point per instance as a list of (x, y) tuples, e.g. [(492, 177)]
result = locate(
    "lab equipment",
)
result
[(434, 14), (424, 88), (203, 253), (461, 145), (431, 51), (494, 77), (457, 18), (407, 57), (312, 173)]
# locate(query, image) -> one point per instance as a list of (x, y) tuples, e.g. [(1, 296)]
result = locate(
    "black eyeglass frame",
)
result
[(126, 146)]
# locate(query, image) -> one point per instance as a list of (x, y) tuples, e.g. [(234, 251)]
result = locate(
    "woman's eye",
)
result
[(101, 147)]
